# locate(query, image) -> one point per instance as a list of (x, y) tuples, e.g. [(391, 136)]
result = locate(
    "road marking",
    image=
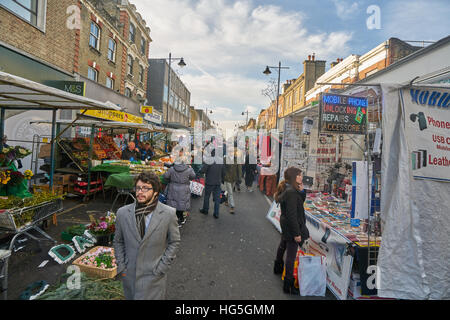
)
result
[(268, 200)]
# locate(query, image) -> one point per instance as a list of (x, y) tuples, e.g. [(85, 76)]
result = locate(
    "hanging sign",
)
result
[(147, 109), (427, 125), (342, 114)]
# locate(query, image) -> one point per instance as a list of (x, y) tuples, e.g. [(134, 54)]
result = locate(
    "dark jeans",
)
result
[(180, 215), (291, 246), (215, 190)]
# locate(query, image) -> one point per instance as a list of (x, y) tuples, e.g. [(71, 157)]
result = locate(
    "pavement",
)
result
[(219, 259)]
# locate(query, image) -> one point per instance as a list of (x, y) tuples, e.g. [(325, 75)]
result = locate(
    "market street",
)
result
[(226, 258)]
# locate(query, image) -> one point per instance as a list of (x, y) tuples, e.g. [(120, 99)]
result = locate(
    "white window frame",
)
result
[(141, 74), (143, 46), (111, 80), (132, 35), (97, 46), (128, 90), (113, 51), (40, 14), (130, 66), (95, 72)]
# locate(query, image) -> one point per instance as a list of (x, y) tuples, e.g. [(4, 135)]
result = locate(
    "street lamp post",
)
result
[(267, 72), (181, 64)]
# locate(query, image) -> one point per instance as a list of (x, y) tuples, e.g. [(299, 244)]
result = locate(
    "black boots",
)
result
[(278, 267), (289, 287)]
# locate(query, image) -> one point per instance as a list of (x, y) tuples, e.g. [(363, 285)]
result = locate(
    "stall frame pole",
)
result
[(91, 147), (52, 151), (2, 126)]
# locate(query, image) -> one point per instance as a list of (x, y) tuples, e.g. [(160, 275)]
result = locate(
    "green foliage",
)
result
[(90, 289)]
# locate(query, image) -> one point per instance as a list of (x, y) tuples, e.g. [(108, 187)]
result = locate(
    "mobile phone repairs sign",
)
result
[(427, 124), (343, 114)]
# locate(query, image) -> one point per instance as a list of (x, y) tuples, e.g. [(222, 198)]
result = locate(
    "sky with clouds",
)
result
[(228, 43)]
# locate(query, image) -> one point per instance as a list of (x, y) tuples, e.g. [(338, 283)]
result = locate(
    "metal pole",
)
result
[(2, 126), (91, 147), (278, 93), (52, 150)]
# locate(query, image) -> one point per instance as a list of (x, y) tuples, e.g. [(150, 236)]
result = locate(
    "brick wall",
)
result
[(55, 46)]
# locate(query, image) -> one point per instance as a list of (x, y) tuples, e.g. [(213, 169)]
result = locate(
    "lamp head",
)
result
[(267, 71), (181, 63)]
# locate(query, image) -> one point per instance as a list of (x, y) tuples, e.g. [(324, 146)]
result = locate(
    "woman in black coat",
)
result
[(250, 173), (291, 196)]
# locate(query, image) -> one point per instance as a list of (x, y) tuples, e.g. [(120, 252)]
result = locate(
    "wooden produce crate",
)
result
[(62, 179), (94, 271), (58, 189)]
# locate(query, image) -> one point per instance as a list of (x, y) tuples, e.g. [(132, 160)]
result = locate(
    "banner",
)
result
[(326, 241), (114, 116), (427, 126)]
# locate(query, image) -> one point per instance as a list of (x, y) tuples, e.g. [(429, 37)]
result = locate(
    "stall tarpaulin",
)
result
[(326, 241), (414, 259)]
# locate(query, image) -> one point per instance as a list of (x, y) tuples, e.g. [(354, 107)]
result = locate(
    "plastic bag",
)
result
[(196, 188), (312, 275)]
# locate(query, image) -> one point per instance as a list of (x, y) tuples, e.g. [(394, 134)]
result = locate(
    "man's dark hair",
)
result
[(151, 178)]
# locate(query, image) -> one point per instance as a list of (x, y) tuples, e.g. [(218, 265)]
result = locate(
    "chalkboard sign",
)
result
[(343, 114)]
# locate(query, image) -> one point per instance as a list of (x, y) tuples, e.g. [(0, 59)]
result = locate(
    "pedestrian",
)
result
[(214, 175), (178, 188), (250, 172), (291, 196), (146, 241), (131, 152), (233, 174)]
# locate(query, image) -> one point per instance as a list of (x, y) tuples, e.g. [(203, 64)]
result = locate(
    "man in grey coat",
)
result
[(146, 241)]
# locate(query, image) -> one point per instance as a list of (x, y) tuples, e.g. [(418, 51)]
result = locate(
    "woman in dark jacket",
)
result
[(291, 196), (250, 173)]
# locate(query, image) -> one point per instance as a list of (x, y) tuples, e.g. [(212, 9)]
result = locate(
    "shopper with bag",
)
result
[(178, 188), (290, 195)]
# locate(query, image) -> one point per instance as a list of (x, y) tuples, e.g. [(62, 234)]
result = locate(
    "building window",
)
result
[(130, 64), (92, 74), (26, 9), (143, 46), (128, 92), (111, 50), (94, 37), (110, 82), (132, 34), (141, 74)]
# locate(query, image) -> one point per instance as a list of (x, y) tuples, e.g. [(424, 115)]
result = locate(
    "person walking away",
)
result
[(291, 196), (214, 175), (146, 241), (250, 172), (233, 174), (131, 152), (179, 192)]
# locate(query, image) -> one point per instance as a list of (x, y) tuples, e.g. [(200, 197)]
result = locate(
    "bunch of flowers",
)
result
[(100, 258), (103, 226), (28, 174), (5, 177), (9, 154)]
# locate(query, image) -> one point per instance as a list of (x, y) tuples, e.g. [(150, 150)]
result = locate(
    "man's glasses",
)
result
[(143, 189)]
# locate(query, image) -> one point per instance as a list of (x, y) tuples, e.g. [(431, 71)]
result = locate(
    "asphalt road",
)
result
[(230, 257)]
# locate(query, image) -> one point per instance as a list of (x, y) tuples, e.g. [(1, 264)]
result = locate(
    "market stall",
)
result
[(328, 142), (87, 156), (20, 210)]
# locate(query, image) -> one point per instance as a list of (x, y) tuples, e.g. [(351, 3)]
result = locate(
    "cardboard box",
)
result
[(61, 179), (354, 288), (45, 151), (45, 187)]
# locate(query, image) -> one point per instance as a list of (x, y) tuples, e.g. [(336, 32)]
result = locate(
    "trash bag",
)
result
[(312, 275)]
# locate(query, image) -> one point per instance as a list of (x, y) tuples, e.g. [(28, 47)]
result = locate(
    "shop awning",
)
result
[(19, 93), (100, 124)]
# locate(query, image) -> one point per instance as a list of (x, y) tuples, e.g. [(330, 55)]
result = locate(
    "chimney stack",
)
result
[(309, 57), (313, 57)]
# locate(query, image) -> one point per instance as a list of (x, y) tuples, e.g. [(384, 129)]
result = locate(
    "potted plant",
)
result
[(103, 229)]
